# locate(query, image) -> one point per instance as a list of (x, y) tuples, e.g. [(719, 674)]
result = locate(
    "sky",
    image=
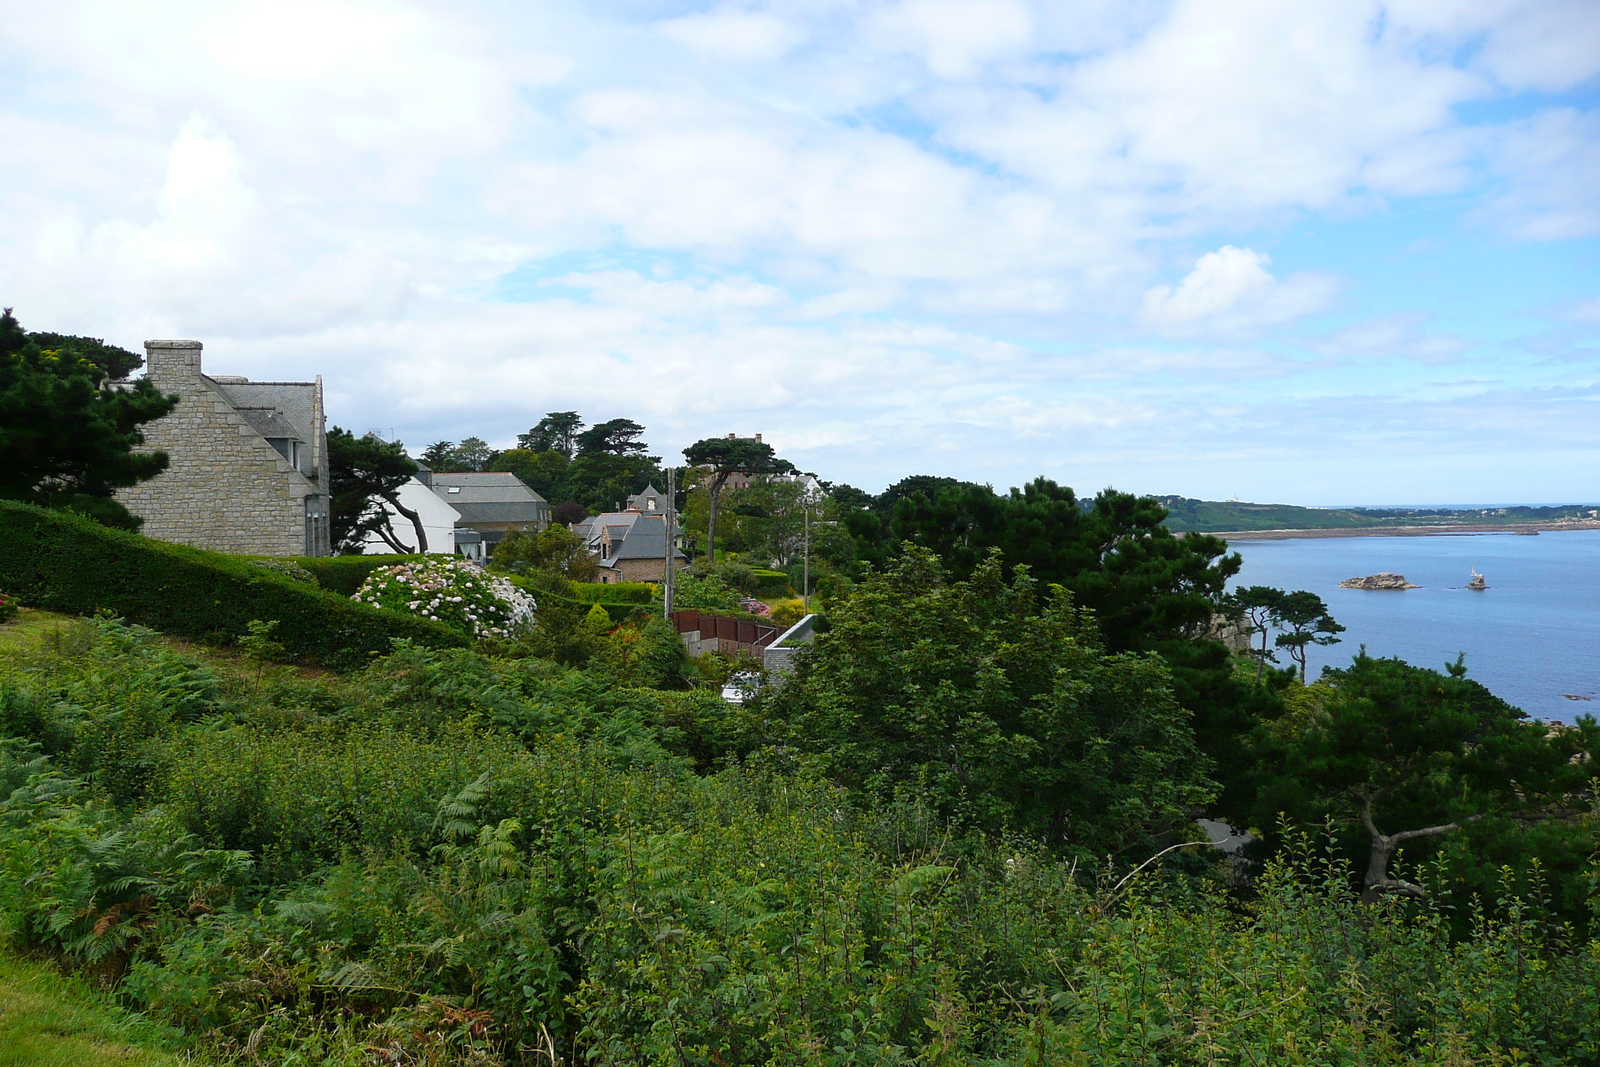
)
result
[(1312, 253)]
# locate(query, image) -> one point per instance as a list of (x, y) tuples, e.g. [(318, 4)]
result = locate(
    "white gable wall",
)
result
[(438, 521)]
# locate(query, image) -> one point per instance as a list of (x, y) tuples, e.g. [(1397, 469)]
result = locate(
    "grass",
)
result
[(50, 1020), (30, 629)]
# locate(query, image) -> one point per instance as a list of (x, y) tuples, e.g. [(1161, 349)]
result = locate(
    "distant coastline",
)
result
[(1439, 530)]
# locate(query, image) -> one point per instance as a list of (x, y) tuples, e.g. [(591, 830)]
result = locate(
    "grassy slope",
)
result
[(47, 1019), (29, 629), (50, 1020)]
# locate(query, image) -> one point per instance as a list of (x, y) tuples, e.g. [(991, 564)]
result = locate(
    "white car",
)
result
[(740, 687)]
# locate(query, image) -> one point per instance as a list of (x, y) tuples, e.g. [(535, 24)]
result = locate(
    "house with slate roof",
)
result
[(630, 546), (247, 461), (491, 504)]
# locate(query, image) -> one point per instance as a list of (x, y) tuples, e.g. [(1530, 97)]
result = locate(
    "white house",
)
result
[(438, 521)]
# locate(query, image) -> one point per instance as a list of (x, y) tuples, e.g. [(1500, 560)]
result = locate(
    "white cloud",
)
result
[(891, 226), (1231, 292), (954, 37), (1588, 310), (1390, 336), (733, 35), (1548, 166)]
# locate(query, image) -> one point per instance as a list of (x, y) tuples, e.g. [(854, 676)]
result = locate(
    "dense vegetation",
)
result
[(65, 562), (69, 430), (963, 831), (957, 837)]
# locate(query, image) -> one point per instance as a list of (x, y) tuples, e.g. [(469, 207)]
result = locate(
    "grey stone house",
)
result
[(248, 466), (629, 546)]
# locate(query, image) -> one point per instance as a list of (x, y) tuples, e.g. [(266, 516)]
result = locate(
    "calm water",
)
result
[(1533, 637)]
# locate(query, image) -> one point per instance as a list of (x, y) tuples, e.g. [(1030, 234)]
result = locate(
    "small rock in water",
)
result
[(1378, 581)]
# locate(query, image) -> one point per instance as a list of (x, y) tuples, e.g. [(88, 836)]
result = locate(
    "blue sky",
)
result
[(1314, 253)]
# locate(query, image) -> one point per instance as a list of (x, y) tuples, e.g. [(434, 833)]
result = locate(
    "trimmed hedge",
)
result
[(613, 592), (346, 574), (618, 612), (64, 562), (771, 583)]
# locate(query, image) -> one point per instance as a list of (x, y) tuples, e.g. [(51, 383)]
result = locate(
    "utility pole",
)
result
[(671, 547), (805, 497)]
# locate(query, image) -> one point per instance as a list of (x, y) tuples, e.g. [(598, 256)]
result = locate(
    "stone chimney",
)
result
[(171, 361)]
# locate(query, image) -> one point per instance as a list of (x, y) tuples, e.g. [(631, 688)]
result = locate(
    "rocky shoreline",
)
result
[(1463, 530)]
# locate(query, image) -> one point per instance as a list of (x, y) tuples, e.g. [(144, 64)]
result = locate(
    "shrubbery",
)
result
[(449, 858), (451, 592), (9, 607), (63, 562)]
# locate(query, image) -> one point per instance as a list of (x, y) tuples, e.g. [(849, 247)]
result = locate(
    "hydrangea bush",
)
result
[(452, 592)]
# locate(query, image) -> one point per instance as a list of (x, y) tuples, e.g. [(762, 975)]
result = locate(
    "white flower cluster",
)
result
[(452, 592)]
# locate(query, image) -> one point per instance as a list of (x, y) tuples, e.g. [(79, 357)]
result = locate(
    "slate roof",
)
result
[(640, 500), (490, 497), (280, 406), (628, 534)]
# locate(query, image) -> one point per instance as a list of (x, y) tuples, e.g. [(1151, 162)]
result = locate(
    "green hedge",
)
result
[(613, 592), (771, 583), (345, 574), (63, 562), (618, 612)]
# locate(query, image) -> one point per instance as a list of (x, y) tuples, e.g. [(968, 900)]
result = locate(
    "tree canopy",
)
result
[(617, 437), (722, 457), (1401, 754), (1003, 708), (556, 432), (362, 471), (70, 437)]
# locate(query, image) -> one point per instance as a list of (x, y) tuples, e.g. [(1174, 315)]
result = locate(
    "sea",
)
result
[(1532, 637)]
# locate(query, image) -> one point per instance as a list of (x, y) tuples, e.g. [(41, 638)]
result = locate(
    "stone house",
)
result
[(630, 546), (248, 461)]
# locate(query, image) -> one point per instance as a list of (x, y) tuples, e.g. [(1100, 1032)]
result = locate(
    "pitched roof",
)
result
[(631, 534), (490, 496), (279, 406)]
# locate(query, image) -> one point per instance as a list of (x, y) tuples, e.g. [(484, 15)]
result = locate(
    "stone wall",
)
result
[(226, 488)]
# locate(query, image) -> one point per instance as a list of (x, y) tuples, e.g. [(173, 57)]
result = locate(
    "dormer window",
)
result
[(288, 448), (650, 505)]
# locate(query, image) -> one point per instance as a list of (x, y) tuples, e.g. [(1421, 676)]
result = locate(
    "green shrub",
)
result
[(63, 562), (346, 574), (9, 607), (614, 592), (286, 567), (770, 583), (452, 592)]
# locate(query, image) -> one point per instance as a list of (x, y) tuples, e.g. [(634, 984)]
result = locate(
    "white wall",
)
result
[(438, 521)]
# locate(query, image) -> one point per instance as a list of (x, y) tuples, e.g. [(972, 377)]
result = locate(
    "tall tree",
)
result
[(1260, 604), (362, 471), (724, 457), (556, 432), (441, 457), (474, 454), (1001, 708), (1306, 621), (617, 437), (68, 435), (1406, 754)]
